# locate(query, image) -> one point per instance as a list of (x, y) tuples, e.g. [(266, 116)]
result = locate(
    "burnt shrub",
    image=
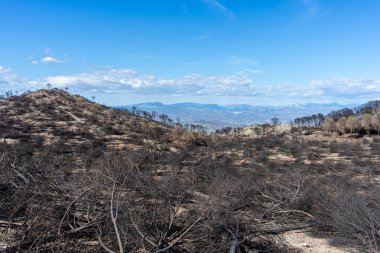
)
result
[(86, 135), (362, 163), (345, 148), (314, 143), (339, 206), (262, 157), (308, 132), (296, 151), (134, 139), (340, 166), (294, 130), (325, 144), (59, 147), (334, 147), (375, 147), (314, 155), (63, 133), (112, 131), (94, 146), (366, 141)]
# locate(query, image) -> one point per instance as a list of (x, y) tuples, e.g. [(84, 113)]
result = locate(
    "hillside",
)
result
[(55, 117), (80, 177)]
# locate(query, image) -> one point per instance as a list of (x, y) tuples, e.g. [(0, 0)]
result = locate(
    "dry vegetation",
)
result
[(80, 177)]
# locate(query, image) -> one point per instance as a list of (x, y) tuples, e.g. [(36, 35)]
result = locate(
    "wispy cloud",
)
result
[(313, 8), (217, 5)]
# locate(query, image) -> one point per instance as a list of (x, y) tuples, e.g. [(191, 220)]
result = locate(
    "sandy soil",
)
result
[(307, 243)]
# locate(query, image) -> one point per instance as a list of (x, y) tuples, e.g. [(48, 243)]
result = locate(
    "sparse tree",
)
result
[(8, 93), (329, 125), (154, 115), (265, 128), (133, 109), (375, 121), (257, 130), (341, 125), (353, 123), (321, 119), (366, 122), (275, 121)]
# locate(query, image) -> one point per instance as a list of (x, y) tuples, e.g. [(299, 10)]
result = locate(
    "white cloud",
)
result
[(236, 85), (338, 89), (50, 60), (47, 59), (9, 80), (126, 80)]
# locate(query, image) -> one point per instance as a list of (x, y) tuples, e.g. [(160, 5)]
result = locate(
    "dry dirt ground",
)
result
[(308, 243)]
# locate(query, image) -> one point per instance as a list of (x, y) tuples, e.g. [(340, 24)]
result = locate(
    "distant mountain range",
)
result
[(215, 116)]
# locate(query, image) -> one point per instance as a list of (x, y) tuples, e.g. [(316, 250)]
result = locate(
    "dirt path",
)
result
[(306, 243)]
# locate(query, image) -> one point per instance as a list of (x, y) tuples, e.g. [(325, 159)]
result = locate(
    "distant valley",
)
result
[(215, 116)]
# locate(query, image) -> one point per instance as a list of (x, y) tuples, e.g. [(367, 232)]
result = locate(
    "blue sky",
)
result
[(260, 52)]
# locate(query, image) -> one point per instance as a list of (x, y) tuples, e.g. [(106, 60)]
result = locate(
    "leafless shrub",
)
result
[(340, 206), (375, 147), (262, 157), (344, 148)]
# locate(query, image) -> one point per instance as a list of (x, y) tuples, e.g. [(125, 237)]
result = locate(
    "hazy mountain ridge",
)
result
[(216, 116)]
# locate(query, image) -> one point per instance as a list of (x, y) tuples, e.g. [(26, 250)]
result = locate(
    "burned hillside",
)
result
[(81, 177)]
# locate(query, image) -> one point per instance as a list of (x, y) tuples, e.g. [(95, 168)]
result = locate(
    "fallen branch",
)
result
[(278, 230), (296, 211), (68, 208)]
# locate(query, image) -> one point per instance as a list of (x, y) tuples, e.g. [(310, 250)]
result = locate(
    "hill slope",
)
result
[(55, 116)]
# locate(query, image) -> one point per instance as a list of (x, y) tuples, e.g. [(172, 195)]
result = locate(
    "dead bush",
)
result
[(341, 206)]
